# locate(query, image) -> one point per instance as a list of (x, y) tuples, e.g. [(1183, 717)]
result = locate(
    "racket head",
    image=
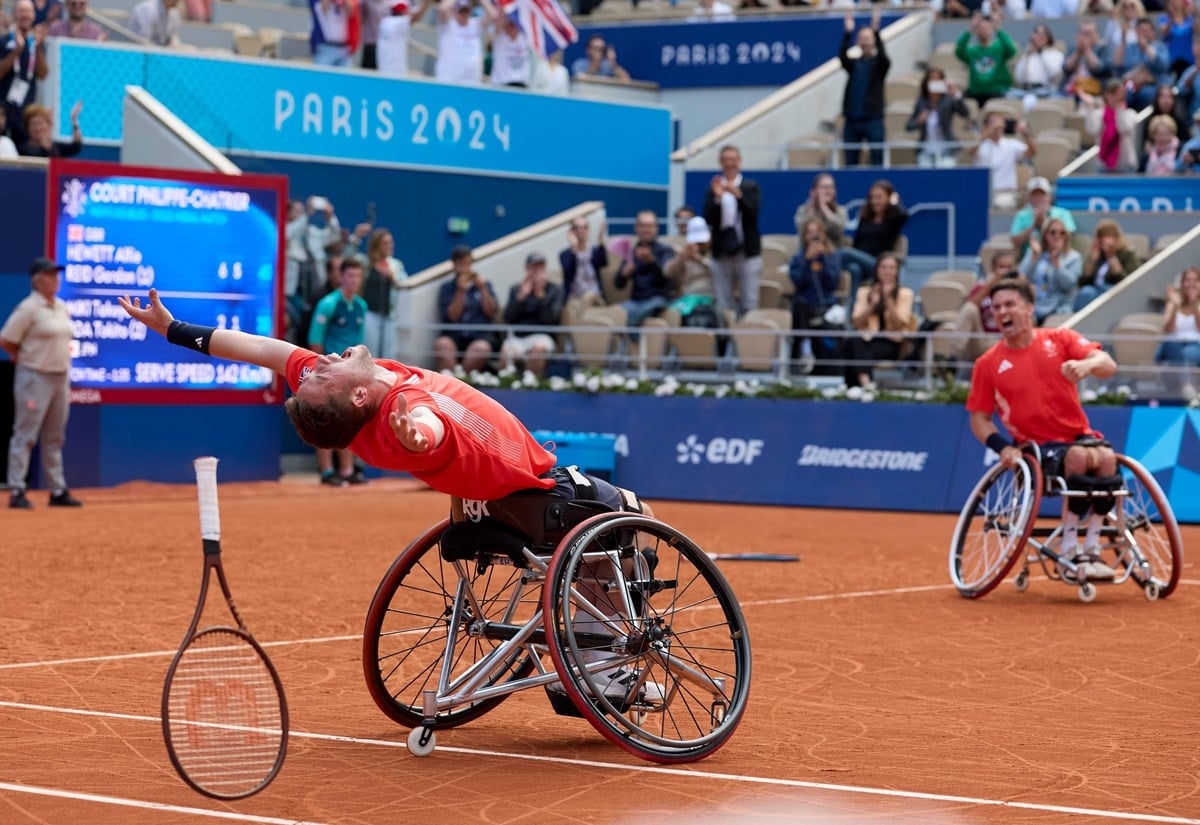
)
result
[(224, 716)]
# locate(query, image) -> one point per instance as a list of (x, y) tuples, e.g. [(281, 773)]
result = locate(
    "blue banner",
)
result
[(759, 52), (1113, 193), (278, 109), (940, 191)]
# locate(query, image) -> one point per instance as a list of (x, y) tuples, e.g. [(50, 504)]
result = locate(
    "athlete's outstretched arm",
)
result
[(223, 343)]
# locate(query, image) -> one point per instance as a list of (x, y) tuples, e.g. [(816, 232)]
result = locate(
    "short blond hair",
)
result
[(1165, 122)]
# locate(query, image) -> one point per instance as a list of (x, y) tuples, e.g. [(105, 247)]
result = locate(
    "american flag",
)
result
[(544, 22)]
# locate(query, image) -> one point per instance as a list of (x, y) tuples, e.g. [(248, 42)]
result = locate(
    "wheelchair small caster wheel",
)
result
[(1021, 582), (421, 741), (1087, 592), (1150, 590)]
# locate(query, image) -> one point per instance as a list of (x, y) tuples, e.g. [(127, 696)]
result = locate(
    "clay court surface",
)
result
[(879, 694)]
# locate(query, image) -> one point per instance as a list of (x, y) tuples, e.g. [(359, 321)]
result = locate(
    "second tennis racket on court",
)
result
[(224, 716)]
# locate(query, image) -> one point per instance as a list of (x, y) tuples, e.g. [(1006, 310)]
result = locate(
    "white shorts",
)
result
[(519, 346)]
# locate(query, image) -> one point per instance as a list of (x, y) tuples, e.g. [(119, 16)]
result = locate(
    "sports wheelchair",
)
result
[(1139, 538), (620, 618)]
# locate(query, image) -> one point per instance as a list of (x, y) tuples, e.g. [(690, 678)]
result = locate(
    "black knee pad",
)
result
[(1102, 492), (1080, 505)]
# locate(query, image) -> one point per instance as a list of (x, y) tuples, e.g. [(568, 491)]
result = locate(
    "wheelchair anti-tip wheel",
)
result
[(1149, 524), (994, 526), (421, 609), (648, 638)]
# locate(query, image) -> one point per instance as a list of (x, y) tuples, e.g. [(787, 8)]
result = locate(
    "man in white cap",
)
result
[(1038, 209)]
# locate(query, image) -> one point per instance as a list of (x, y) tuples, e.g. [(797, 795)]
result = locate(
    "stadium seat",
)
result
[(810, 151), (963, 277), (1056, 319), (770, 294), (594, 346), (1139, 242), (654, 334), (1070, 136), (774, 254), (941, 301), (1043, 117), (1139, 348), (788, 240), (1164, 241), (756, 351), (1052, 155)]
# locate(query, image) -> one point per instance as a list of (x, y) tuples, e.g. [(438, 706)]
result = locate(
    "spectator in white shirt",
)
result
[(1039, 69), (512, 63), (460, 41), (157, 21), (1001, 155), (1053, 8), (391, 48), (712, 11)]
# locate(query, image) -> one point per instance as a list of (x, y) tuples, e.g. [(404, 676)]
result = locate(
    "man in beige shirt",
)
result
[(37, 337)]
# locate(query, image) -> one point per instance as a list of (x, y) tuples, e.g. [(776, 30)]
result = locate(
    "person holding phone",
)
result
[(933, 120)]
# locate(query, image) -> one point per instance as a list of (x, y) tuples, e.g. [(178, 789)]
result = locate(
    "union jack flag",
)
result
[(544, 22)]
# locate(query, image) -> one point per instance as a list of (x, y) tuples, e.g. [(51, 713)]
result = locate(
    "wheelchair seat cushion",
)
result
[(467, 540)]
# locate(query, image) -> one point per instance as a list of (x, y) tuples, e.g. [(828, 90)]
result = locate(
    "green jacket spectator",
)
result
[(986, 51)]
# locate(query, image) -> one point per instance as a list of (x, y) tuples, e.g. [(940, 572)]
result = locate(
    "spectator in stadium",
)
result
[(1009, 9), (335, 31), (1053, 8), (816, 272), (512, 60), (1189, 84), (986, 50), (23, 63), (651, 292), (976, 317), (691, 271), (338, 323), (880, 222), (1188, 159), (1181, 328), (683, 215), (1175, 26), (1166, 102), (731, 206), (384, 274), (1001, 154), (1088, 65), (712, 11), (1108, 261), (77, 25), (933, 120), (1161, 151), (158, 21), (1039, 69), (883, 312), (1039, 207), (46, 12), (323, 234), (581, 267), (41, 143), (466, 299), (1142, 65), (371, 13), (535, 302), (600, 61), (863, 97), (37, 337), (8, 149), (1114, 124), (550, 76), (1122, 27), (395, 28), (198, 10), (961, 8), (1053, 269), (460, 40), (1031, 377), (822, 205)]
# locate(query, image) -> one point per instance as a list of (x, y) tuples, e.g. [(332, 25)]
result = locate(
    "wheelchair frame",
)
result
[(1140, 538), (447, 639)]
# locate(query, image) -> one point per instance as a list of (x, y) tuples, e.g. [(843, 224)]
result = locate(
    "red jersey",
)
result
[(486, 453), (1035, 400)]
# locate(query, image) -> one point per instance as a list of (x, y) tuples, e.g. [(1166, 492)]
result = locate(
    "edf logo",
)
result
[(718, 450)]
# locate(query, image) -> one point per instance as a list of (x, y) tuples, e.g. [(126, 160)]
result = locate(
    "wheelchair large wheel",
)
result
[(1147, 517), (410, 623), (994, 526), (647, 637)]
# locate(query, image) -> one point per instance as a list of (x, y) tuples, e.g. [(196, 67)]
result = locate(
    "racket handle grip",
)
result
[(206, 486)]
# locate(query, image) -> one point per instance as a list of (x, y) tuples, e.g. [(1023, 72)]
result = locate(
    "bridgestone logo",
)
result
[(815, 456)]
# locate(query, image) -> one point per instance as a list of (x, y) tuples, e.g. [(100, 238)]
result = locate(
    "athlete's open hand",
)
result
[(405, 428), (153, 314)]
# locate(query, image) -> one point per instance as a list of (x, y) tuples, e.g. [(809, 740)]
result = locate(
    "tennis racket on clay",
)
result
[(224, 716)]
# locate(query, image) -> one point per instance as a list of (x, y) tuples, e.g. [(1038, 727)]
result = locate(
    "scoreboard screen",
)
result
[(211, 244)]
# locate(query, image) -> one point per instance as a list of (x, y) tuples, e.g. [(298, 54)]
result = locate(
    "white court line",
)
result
[(154, 806), (821, 597), (727, 777), (162, 653)]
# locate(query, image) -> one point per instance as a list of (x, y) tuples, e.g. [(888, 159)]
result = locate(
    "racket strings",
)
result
[(225, 716)]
